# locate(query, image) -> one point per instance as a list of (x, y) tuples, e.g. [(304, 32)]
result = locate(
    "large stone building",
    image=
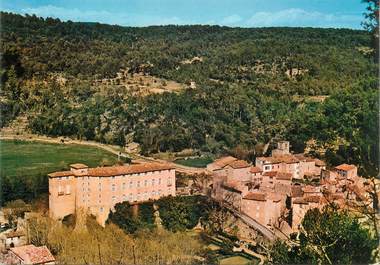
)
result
[(97, 190)]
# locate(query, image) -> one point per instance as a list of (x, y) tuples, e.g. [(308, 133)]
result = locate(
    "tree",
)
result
[(371, 23), (327, 237)]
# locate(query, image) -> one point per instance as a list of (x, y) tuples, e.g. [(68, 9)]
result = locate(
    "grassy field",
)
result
[(30, 158), (194, 162)]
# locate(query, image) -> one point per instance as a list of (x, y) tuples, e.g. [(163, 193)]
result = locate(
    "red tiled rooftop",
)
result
[(299, 201), (270, 174), (61, 174), (314, 199), (255, 196), (117, 170), (31, 254), (238, 164), (319, 162), (14, 234), (278, 175), (296, 191), (125, 170), (223, 161), (232, 186), (345, 167), (284, 176), (255, 170), (310, 189)]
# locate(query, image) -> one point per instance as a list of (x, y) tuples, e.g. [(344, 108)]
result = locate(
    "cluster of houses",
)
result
[(14, 247), (279, 190)]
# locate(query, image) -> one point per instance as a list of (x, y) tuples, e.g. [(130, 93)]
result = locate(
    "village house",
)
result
[(229, 175), (97, 190), (266, 208), (283, 161), (12, 239), (29, 254)]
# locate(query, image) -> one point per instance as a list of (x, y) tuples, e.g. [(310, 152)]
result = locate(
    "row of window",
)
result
[(131, 197), (146, 183)]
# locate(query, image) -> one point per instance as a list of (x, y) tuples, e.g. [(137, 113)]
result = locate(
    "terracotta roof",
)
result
[(284, 176), (255, 170), (279, 175), (118, 170), (255, 196), (125, 170), (337, 196), (222, 162), (31, 254), (78, 166), (238, 164), (309, 188), (270, 174), (315, 199), (231, 186), (300, 201), (297, 191), (14, 234), (345, 167), (319, 162), (61, 174)]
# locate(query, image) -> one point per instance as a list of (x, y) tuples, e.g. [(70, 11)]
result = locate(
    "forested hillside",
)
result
[(253, 86)]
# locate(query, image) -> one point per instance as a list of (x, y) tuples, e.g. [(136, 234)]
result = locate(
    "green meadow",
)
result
[(24, 158)]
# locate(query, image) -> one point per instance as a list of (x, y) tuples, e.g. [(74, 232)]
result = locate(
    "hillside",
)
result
[(236, 88)]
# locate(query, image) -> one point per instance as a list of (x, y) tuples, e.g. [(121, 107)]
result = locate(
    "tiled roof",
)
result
[(255, 196), (297, 191), (238, 164), (31, 254), (300, 201), (14, 234), (61, 174), (270, 174), (222, 162), (345, 167), (117, 170), (78, 166), (125, 170), (231, 186), (255, 170), (319, 162), (309, 188), (284, 176), (279, 175), (314, 199)]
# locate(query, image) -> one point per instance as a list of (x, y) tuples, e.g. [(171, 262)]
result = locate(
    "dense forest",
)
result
[(253, 86)]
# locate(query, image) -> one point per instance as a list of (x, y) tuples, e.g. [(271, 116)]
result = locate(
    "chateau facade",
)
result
[(97, 190)]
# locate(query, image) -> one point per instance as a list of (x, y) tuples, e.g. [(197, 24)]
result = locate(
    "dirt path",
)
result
[(110, 148)]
